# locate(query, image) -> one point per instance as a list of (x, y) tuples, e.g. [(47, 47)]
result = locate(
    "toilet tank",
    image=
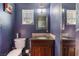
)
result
[(19, 43)]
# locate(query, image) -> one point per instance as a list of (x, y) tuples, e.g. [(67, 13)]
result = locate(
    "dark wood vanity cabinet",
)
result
[(68, 47), (42, 47)]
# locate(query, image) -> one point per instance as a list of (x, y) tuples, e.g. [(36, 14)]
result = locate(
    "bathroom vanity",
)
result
[(68, 43), (68, 32), (42, 47), (68, 47), (42, 44)]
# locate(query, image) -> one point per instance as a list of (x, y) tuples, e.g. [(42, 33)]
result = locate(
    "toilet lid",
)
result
[(15, 52)]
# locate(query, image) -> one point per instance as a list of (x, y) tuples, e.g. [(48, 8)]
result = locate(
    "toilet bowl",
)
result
[(19, 45), (15, 52)]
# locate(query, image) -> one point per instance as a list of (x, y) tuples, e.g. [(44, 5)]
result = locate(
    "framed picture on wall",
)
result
[(71, 17), (27, 16), (7, 7)]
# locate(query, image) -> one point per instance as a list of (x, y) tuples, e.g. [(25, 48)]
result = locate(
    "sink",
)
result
[(43, 36)]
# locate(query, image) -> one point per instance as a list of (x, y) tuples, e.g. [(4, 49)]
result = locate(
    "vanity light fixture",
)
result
[(41, 11), (63, 10)]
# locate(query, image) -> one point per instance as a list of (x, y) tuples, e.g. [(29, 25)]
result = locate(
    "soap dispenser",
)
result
[(17, 35)]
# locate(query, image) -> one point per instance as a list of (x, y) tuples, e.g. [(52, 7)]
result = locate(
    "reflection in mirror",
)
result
[(71, 17), (68, 29), (41, 24), (68, 21)]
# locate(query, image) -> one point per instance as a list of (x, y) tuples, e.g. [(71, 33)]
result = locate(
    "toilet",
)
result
[(19, 45)]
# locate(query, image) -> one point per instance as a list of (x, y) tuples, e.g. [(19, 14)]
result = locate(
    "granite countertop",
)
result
[(43, 36)]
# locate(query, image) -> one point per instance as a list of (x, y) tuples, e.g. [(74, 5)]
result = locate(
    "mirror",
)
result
[(42, 20), (68, 21), (68, 15), (41, 23)]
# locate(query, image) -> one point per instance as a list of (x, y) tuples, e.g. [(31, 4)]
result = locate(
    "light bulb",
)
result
[(63, 10), (55, 10), (39, 11)]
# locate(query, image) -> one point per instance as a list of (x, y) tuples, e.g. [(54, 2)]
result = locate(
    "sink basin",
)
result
[(43, 36)]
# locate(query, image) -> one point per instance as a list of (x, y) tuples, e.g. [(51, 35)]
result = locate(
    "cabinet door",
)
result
[(64, 51), (71, 51), (41, 51), (35, 51), (45, 51), (68, 48), (68, 51)]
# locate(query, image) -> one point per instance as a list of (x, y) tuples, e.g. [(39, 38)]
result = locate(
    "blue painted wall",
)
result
[(26, 30), (6, 29), (1, 7), (0, 27)]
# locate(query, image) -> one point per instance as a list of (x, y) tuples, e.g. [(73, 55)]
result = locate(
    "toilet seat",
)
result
[(15, 52)]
